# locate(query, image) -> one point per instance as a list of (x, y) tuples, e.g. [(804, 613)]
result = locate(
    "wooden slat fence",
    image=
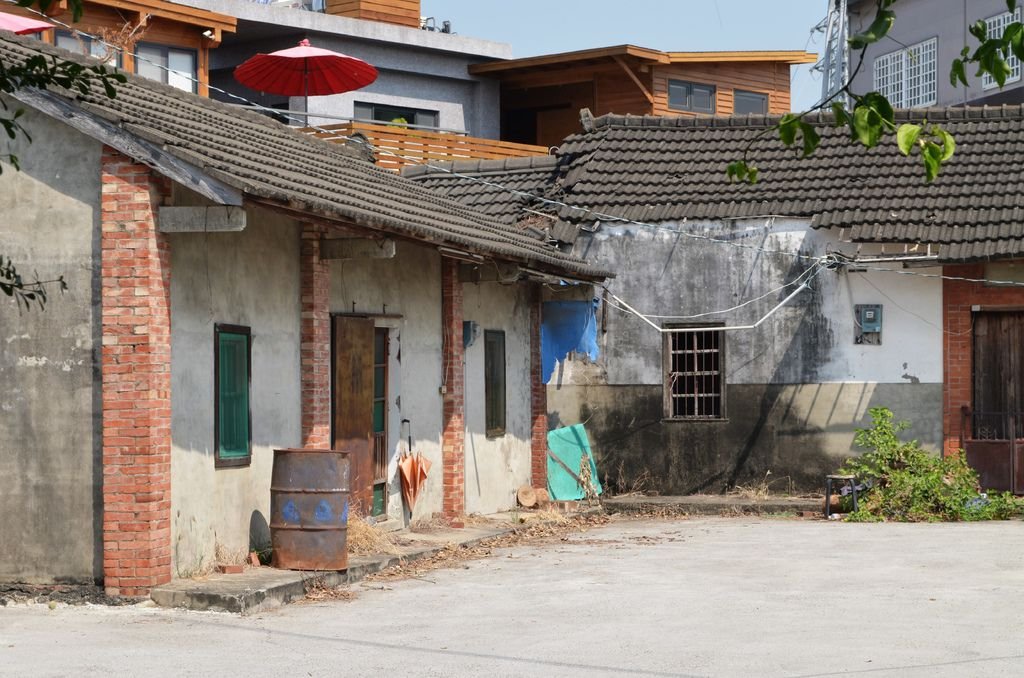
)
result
[(397, 146)]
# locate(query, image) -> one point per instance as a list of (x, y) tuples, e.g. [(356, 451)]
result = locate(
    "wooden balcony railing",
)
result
[(396, 146)]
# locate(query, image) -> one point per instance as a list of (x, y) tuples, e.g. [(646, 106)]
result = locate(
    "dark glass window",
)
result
[(750, 102), (232, 366), (494, 382), (691, 96), (395, 114)]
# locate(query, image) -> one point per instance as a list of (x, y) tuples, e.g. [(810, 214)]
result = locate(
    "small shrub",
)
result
[(910, 484)]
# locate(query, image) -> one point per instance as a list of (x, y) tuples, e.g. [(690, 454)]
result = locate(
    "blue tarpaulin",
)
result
[(567, 326)]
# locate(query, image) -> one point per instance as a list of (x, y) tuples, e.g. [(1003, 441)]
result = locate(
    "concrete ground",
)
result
[(699, 597)]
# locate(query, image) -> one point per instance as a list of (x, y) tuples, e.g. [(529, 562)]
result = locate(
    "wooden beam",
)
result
[(138, 149), (208, 219), (357, 248), (632, 76)]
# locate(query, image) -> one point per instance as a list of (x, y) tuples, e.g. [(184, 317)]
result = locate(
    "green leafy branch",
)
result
[(872, 117), (41, 72), (25, 293)]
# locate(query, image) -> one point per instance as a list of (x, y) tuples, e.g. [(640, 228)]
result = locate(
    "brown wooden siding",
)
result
[(770, 78), (96, 20), (401, 12)]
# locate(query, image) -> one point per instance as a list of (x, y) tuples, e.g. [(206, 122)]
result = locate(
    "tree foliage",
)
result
[(909, 484), (868, 118)]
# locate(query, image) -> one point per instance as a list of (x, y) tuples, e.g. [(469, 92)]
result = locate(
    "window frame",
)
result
[(763, 95), (86, 41), (899, 67), (722, 384), (373, 119), (496, 430), (689, 107), (246, 460), (165, 70), (997, 23)]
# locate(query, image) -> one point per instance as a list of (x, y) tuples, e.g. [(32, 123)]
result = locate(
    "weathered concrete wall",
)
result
[(50, 492), (409, 286), (798, 385), (246, 278), (496, 467)]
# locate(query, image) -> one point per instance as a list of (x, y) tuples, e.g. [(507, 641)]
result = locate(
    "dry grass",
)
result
[(765, 488), (550, 516), (365, 539)]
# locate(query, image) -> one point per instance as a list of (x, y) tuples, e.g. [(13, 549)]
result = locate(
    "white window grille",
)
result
[(996, 25), (908, 77)]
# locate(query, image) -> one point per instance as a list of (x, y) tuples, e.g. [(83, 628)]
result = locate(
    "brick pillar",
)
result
[(136, 380), (453, 456), (957, 360), (315, 352), (538, 398)]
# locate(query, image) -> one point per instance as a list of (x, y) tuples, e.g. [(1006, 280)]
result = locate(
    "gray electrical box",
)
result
[(868, 323)]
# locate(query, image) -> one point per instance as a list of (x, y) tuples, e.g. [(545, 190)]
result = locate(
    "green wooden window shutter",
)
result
[(232, 397), (494, 382)]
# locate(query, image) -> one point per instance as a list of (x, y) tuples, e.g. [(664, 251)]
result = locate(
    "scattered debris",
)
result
[(61, 593), (254, 559), (318, 590), (455, 555), (230, 568), (367, 539)]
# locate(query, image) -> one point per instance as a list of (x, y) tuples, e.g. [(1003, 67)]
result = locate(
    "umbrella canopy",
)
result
[(305, 71), (413, 469), (22, 25)]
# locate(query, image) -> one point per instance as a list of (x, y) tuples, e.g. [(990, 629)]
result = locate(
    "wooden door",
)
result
[(997, 448), (353, 403)]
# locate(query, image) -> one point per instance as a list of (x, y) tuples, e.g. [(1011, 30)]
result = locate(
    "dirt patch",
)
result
[(454, 555), (58, 593)]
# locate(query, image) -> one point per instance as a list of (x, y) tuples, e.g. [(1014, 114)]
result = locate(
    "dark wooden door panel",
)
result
[(353, 402)]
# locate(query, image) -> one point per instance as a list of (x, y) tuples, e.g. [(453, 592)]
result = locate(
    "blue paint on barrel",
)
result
[(344, 513), (289, 512), (323, 513)]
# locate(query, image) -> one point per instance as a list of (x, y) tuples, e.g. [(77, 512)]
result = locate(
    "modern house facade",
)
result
[(911, 65), (541, 96), (164, 41)]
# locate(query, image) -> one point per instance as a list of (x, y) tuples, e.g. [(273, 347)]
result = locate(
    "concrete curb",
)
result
[(712, 505), (262, 589)]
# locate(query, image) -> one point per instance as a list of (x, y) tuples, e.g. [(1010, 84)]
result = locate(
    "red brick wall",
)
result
[(453, 455), (136, 380), (958, 298), (315, 352), (538, 398)]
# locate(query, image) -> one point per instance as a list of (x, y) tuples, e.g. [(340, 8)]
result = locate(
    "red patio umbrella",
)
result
[(305, 71), (22, 25)]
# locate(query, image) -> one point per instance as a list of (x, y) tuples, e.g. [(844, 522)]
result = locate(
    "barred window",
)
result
[(908, 78), (695, 374), (996, 25)]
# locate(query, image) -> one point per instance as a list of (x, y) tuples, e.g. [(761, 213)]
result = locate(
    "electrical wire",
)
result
[(813, 271)]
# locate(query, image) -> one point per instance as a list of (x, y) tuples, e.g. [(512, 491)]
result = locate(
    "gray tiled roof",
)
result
[(655, 169), (270, 161)]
